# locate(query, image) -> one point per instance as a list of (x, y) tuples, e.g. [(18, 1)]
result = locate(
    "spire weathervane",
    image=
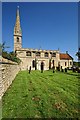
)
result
[(17, 10), (18, 7)]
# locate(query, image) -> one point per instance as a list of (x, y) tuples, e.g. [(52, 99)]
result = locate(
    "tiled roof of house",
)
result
[(64, 56)]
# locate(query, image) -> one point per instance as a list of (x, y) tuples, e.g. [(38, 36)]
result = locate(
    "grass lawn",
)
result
[(42, 95)]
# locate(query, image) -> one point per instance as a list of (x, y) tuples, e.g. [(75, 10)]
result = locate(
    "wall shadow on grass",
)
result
[(39, 118), (71, 74)]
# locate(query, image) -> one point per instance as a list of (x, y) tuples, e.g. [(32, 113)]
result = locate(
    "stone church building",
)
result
[(34, 57)]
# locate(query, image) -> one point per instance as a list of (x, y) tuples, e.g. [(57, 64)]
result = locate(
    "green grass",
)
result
[(42, 95)]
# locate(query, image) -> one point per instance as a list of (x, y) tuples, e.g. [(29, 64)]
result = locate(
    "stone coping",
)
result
[(6, 61), (37, 50)]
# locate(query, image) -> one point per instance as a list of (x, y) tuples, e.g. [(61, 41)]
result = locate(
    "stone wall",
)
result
[(8, 71), (27, 61), (62, 63)]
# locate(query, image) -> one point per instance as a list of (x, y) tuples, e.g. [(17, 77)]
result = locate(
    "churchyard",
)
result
[(42, 95)]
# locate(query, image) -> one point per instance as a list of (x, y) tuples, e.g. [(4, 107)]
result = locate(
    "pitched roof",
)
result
[(64, 56)]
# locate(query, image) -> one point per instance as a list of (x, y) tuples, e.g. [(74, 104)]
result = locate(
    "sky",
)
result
[(45, 25)]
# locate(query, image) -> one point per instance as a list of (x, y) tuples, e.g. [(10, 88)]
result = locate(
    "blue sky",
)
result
[(44, 25)]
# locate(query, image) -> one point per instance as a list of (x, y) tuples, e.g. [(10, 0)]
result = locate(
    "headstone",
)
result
[(78, 70), (42, 67), (65, 69), (29, 69), (74, 69), (62, 70), (53, 69)]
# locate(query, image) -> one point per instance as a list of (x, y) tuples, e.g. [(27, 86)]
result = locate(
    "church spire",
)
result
[(17, 28), (17, 32)]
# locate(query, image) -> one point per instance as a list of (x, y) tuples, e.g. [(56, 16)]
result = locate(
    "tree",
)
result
[(78, 54), (3, 46), (10, 56), (0, 49)]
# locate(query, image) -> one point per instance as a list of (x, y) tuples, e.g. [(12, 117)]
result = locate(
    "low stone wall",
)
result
[(8, 71)]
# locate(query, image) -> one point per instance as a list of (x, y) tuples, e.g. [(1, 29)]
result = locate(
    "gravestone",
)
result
[(42, 66), (29, 69), (65, 69), (62, 70)]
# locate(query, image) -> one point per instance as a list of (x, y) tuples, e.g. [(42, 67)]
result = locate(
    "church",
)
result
[(34, 57)]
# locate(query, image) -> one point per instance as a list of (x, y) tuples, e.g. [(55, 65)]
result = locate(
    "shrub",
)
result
[(11, 56)]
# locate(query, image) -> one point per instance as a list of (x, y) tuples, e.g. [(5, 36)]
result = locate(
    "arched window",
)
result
[(53, 54), (46, 54), (38, 54), (17, 39), (28, 53), (65, 63), (70, 63)]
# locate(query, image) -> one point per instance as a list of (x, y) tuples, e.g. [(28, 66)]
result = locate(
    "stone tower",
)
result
[(17, 33)]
